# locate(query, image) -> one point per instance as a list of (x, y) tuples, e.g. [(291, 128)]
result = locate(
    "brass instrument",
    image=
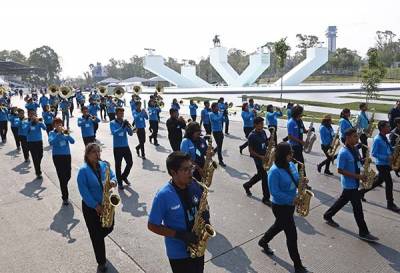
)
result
[(137, 89), (310, 139), (202, 230), (230, 105), (371, 125), (367, 171), (3, 91), (335, 144), (396, 154), (209, 165), (53, 90), (181, 102), (102, 90), (269, 157), (110, 201), (159, 89), (65, 92), (118, 92), (115, 100), (304, 195)]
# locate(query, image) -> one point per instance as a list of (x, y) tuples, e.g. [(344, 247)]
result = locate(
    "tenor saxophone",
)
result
[(335, 144), (304, 195), (270, 153), (209, 165), (110, 201), (367, 171), (310, 139), (396, 155), (203, 230), (371, 126)]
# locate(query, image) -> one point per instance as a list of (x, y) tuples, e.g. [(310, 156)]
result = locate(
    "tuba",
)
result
[(102, 91), (110, 201), (335, 144), (310, 139), (118, 92), (367, 171), (202, 230), (270, 153), (396, 154), (209, 165), (65, 92), (53, 90), (137, 89), (3, 91), (304, 195)]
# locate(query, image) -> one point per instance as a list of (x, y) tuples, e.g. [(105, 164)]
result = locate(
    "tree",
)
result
[(281, 49), (306, 41), (13, 56), (372, 74), (388, 48), (45, 57), (344, 60)]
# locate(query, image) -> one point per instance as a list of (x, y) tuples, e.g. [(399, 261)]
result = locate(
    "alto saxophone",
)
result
[(110, 201), (335, 144), (270, 153), (396, 154), (203, 230), (371, 126), (304, 195), (367, 171), (310, 139), (209, 165)]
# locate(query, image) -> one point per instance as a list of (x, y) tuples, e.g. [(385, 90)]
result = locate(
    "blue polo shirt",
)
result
[(48, 117), (60, 143), (258, 142), (188, 147), (221, 106), (216, 120), (289, 113), (3, 115), (111, 107), (363, 121), (282, 186), (139, 118), (43, 101), (327, 134), (381, 150), (88, 184), (64, 106), (344, 124), (153, 112), (14, 120), (35, 131), (87, 126), (248, 119), (168, 209), (351, 163), (32, 106), (295, 128), (120, 138), (175, 106), (23, 127), (93, 109), (193, 109), (205, 117), (272, 118)]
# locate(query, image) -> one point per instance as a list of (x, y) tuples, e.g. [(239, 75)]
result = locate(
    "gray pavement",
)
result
[(39, 235)]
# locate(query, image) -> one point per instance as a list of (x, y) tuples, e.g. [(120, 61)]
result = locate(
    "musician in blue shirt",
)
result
[(91, 180), (87, 124), (139, 116), (173, 212), (349, 164), (326, 133), (120, 129), (253, 106), (193, 110), (382, 151), (271, 118), (23, 126), (175, 105), (43, 101), (3, 122), (344, 123), (59, 139), (34, 141), (283, 179), (216, 120), (64, 106), (14, 121), (93, 108), (248, 123), (48, 117), (111, 108), (205, 118), (362, 126), (154, 114), (31, 105)]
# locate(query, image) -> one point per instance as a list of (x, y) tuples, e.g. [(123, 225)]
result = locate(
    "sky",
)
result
[(87, 31)]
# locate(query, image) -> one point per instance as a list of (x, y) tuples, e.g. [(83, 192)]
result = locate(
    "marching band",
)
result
[(180, 210)]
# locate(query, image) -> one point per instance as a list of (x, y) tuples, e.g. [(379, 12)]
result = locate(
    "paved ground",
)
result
[(39, 235)]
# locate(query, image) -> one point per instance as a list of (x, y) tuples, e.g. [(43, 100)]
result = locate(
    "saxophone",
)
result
[(110, 201), (335, 144), (367, 171), (209, 165), (396, 154), (304, 195), (371, 126), (310, 139), (270, 153), (202, 230)]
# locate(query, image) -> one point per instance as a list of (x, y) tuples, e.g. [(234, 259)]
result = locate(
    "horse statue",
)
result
[(216, 41)]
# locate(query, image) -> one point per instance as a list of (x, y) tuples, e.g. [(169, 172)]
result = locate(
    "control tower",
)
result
[(331, 35)]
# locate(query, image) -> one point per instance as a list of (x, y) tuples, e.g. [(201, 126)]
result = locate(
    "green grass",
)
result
[(197, 99), (379, 95), (360, 97), (379, 107)]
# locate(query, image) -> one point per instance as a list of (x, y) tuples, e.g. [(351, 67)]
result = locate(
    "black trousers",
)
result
[(207, 127), (3, 130), (111, 116), (328, 160), (97, 232), (187, 265), (87, 140), (247, 131), (219, 139), (63, 168), (354, 197), (298, 154), (141, 134), (193, 117), (275, 132), (260, 175), (119, 154), (175, 142), (383, 176), (95, 127), (71, 108), (103, 112), (154, 130), (36, 150), (226, 122), (24, 146), (14, 130), (284, 221), (49, 128), (364, 140)]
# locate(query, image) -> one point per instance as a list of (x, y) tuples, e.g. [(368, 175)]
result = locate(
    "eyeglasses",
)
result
[(188, 169)]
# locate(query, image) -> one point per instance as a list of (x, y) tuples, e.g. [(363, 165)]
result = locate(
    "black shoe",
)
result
[(393, 207), (120, 187), (102, 268), (368, 237), (39, 176), (269, 251), (137, 151), (301, 269), (247, 189), (150, 139), (126, 181), (319, 167), (143, 157), (240, 149), (65, 203), (397, 173), (363, 199), (267, 202), (328, 172), (156, 144), (222, 164), (330, 222)]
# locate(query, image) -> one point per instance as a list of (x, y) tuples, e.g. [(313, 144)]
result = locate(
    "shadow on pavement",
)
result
[(222, 252), (304, 226), (110, 268), (149, 165), (281, 262), (234, 137), (130, 203), (33, 189), (388, 253), (13, 153), (22, 168), (162, 149), (235, 173), (64, 222)]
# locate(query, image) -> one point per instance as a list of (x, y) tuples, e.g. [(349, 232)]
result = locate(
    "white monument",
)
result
[(189, 72)]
